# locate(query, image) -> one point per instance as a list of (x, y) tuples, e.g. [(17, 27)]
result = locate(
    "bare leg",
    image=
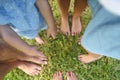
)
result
[(71, 76), (11, 38), (64, 6), (39, 40), (44, 8), (79, 6), (6, 67), (58, 76), (10, 54)]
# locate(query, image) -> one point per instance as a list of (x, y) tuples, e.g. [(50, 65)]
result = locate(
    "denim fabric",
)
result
[(22, 16), (102, 35)]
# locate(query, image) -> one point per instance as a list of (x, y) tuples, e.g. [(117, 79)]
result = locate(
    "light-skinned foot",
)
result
[(71, 76), (29, 68), (88, 58), (52, 32), (76, 26), (65, 29), (58, 76), (39, 40)]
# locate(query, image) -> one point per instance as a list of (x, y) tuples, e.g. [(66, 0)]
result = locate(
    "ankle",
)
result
[(75, 18)]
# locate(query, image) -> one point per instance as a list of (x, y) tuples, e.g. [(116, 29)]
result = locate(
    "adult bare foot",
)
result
[(6, 67), (76, 27), (88, 58), (29, 68), (39, 40), (71, 76), (58, 76), (38, 57), (35, 59), (65, 29)]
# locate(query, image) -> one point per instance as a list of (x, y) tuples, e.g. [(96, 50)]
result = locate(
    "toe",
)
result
[(38, 68), (68, 74), (68, 33), (54, 75), (73, 33)]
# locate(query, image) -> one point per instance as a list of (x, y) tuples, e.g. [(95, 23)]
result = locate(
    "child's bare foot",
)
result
[(71, 76), (29, 68), (39, 40), (76, 27), (52, 32), (65, 29), (58, 76), (87, 58)]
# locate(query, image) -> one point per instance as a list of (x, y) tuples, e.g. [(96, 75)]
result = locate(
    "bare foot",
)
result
[(39, 40), (38, 57), (29, 68), (71, 76), (6, 67), (76, 27), (65, 29), (87, 58), (57, 76), (35, 59)]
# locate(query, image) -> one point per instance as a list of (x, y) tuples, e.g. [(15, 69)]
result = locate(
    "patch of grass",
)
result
[(62, 56)]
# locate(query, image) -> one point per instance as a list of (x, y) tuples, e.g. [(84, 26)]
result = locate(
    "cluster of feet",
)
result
[(70, 76), (85, 58), (34, 69)]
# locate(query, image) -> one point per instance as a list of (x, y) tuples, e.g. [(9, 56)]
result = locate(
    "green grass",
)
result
[(62, 56)]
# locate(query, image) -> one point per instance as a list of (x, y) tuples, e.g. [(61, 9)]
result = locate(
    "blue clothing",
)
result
[(102, 35), (22, 16)]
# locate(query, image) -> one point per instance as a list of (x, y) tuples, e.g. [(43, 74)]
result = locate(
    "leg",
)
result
[(6, 67), (58, 76), (44, 8), (11, 38), (9, 54), (64, 6), (71, 76), (79, 6)]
